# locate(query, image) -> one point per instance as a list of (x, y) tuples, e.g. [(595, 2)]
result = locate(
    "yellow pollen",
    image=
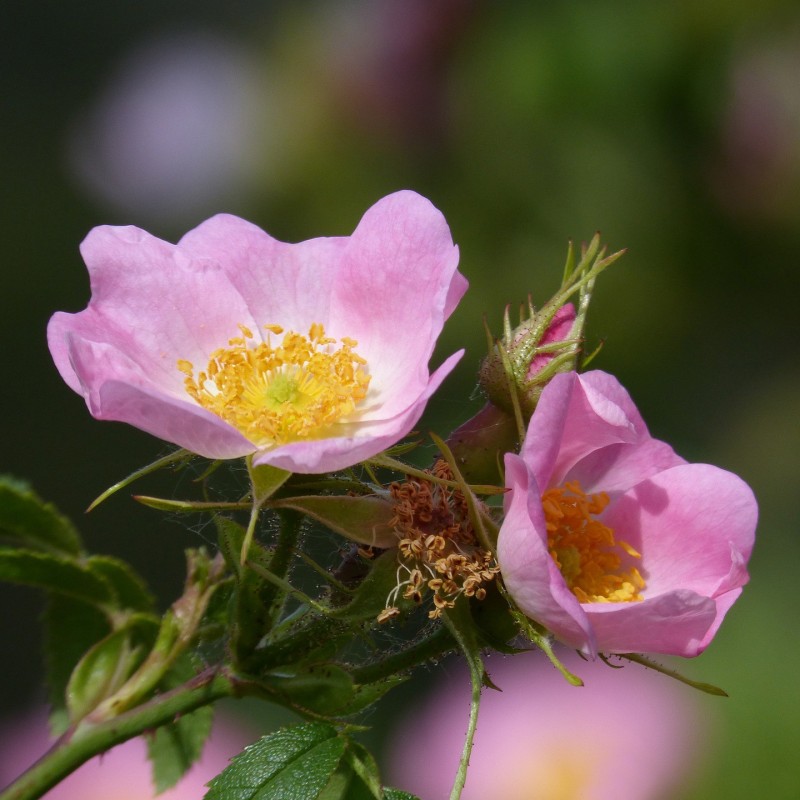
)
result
[(585, 550), (276, 394)]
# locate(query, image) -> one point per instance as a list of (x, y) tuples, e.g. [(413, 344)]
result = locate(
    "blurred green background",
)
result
[(671, 127)]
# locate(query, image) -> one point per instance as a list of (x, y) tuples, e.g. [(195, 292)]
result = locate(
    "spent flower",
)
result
[(311, 357)]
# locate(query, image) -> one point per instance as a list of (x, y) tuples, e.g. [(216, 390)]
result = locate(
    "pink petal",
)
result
[(396, 285), (694, 525), (675, 623), (284, 284), (152, 302), (115, 389)]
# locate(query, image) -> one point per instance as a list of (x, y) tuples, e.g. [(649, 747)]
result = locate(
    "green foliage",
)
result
[(71, 627), (312, 761), (173, 748), (103, 669), (294, 763), (29, 522), (323, 689), (128, 588), (54, 573)]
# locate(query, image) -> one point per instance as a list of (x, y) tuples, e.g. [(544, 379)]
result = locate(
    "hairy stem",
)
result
[(86, 740)]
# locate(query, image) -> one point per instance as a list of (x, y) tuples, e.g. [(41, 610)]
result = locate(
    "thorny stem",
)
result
[(86, 739)]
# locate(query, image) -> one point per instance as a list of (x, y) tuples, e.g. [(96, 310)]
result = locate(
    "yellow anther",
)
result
[(585, 550), (277, 394)]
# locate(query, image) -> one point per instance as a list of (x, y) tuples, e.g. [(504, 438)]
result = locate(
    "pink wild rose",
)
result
[(313, 356), (611, 540)]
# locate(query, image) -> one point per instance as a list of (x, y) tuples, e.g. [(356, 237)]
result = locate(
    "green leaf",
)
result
[(55, 573), (320, 688), (397, 794), (29, 522), (103, 669), (173, 748), (365, 694), (71, 628), (130, 590), (365, 519), (294, 763), (363, 765), (370, 597)]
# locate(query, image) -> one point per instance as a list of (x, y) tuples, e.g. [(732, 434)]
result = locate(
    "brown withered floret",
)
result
[(438, 551)]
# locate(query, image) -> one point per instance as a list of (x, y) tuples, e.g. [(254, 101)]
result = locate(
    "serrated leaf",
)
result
[(28, 521), (174, 748), (54, 573), (397, 794), (294, 763), (130, 590), (71, 628)]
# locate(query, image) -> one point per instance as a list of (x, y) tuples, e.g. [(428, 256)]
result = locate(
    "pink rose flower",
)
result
[(611, 540), (627, 733), (314, 356)]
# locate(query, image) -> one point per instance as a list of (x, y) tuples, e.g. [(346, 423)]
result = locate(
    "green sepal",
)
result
[(71, 627), (265, 480), (172, 458), (701, 686), (27, 521), (397, 794), (106, 666), (294, 763), (55, 573), (175, 747), (130, 590), (321, 689), (364, 519)]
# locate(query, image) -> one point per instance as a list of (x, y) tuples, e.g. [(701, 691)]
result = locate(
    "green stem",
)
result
[(275, 597), (87, 740), (436, 645)]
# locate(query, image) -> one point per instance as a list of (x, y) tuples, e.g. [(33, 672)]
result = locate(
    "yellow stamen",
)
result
[(585, 550), (283, 393)]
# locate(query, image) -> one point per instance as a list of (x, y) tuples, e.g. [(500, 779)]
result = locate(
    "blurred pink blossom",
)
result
[(627, 733), (183, 341), (184, 125), (611, 540)]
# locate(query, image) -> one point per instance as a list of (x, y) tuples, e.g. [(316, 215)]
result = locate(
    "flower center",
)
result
[(585, 550), (276, 394)]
